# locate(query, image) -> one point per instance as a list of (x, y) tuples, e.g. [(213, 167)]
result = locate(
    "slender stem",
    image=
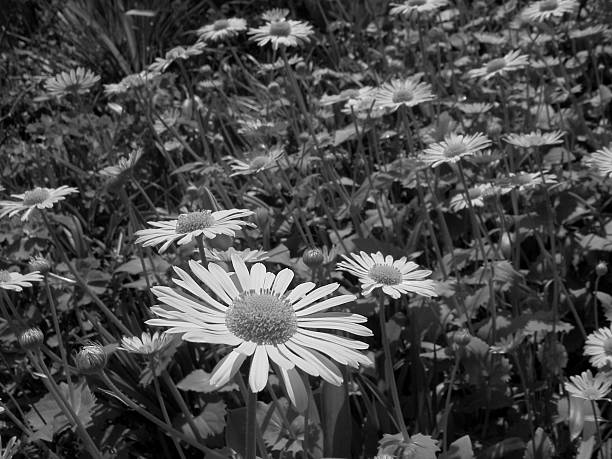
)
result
[(168, 428), (597, 428), (179, 399), (447, 404), (251, 406), (164, 411), (397, 407), (244, 390), (200, 242), (527, 399)]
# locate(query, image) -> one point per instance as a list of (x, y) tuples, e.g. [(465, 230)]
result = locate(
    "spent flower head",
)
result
[(254, 313)]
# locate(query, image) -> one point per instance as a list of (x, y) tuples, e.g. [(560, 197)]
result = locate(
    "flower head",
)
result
[(545, 9), (362, 103), (598, 346), (588, 387), (91, 359), (535, 139), (221, 29), (123, 166), (601, 160), (281, 32), (476, 195), (38, 198), (193, 224), (500, 66), (31, 338), (256, 163), (75, 81), (10, 280), (416, 6), (256, 315), (453, 148), (247, 255), (146, 344), (394, 277), (275, 14), (524, 181), (178, 52), (408, 92)]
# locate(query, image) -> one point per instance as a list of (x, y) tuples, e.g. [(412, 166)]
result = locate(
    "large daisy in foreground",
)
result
[(206, 223), (260, 319), (395, 277), (38, 198)]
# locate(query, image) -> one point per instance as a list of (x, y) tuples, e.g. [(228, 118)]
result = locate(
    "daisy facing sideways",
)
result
[(256, 315), (10, 280), (395, 277), (222, 28), (38, 198), (500, 66), (206, 223)]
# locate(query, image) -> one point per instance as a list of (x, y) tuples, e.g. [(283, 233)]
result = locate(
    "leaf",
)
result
[(142, 13), (585, 450), (135, 265), (210, 421), (459, 449), (594, 242), (199, 381), (336, 415), (504, 448), (539, 447)]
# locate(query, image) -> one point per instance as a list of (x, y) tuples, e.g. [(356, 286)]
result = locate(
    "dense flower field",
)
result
[(306, 229)]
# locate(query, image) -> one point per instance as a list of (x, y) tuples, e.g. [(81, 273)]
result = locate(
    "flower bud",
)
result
[(261, 217), (274, 89), (91, 359), (461, 338), (601, 269), (40, 264), (313, 257), (31, 338)]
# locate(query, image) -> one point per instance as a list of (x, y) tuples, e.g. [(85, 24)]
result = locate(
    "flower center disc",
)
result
[(385, 274), (221, 24), (193, 221), (280, 29), (548, 5), (496, 64), (35, 196), (607, 346), (262, 318), (416, 2), (5, 276), (402, 95), (454, 149)]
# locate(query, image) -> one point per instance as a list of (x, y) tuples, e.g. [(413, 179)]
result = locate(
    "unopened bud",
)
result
[(91, 359), (261, 217), (40, 264), (313, 257), (461, 338), (31, 338), (274, 89), (601, 269)]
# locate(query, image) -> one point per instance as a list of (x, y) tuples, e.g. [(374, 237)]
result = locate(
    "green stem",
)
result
[(447, 404), (251, 406), (200, 242), (164, 411)]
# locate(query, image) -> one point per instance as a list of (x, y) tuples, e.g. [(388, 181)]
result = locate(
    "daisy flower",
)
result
[(362, 103), (601, 160), (247, 255), (408, 92), (453, 148), (477, 196), (416, 6), (275, 14), (187, 226), (123, 166), (76, 81), (546, 9), (146, 344), (598, 346), (256, 315), (535, 139), (500, 66), (221, 29), (38, 198), (282, 32), (178, 52), (474, 108), (524, 181), (394, 277), (257, 163), (15, 281), (588, 387)]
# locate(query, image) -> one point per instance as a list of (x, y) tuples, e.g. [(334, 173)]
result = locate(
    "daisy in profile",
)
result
[(474, 108), (178, 52), (601, 160), (255, 314), (222, 29), (75, 81), (10, 280), (408, 92), (599, 347), (394, 277), (477, 197), (500, 66), (535, 139), (416, 6), (453, 148), (588, 387), (256, 163), (146, 344), (123, 166), (206, 223), (280, 31), (247, 255), (524, 181), (38, 198), (545, 9), (362, 103)]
